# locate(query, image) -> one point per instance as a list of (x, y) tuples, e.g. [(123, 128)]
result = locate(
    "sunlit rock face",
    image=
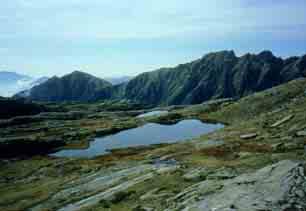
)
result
[(280, 186), (216, 75)]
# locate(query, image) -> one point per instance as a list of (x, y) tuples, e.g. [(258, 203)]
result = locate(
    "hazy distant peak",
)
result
[(118, 80), (12, 73), (7, 76), (12, 83), (76, 86)]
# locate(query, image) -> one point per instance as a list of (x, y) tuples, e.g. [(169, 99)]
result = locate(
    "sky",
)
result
[(110, 38)]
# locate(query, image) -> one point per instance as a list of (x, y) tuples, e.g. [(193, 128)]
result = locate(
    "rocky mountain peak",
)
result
[(266, 54)]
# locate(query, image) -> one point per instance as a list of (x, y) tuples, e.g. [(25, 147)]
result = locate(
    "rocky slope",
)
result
[(281, 186), (216, 75), (26, 90), (256, 162), (77, 86)]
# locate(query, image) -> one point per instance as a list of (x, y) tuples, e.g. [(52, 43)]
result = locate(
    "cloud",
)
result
[(35, 30), (104, 19)]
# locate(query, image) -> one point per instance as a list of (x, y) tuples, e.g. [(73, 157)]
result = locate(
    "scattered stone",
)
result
[(154, 195), (278, 147), (223, 174), (196, 175), (162, 162), (149, 194), (282, 121), (167, 169), (301, 133), (281, 186), (166, 157), (287, 147), (286, 138), (243, 155), (277, 110), (249, 136)]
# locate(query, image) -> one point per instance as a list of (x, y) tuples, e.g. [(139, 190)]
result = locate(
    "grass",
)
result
[(28, 182), (251, 106)]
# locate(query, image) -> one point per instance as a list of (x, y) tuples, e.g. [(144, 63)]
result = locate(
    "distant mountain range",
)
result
[(118, 80), (7, 77), (12, 83), (216, 75)]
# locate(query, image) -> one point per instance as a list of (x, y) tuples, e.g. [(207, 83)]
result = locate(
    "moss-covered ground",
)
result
[(26, 182)]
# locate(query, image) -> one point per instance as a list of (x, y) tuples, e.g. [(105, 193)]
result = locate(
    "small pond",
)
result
[(145, 135), (152, 113)]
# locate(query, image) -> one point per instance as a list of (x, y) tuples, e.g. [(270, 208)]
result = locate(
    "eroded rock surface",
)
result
[(281, 186), (90, 190)]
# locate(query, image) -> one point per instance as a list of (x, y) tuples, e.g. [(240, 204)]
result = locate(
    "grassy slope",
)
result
[(252, 106), (255, 113)]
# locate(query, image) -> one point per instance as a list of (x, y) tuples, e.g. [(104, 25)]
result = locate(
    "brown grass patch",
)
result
[(254, 147)]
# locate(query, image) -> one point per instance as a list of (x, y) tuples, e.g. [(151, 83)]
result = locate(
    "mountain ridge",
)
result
[(216, 75), (76, 86)]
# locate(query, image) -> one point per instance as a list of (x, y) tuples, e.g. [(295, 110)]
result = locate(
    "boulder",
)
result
[(286, 147), (196, 175), (249, 136), (282, 121), (155, 194), (281, 186), (223, 174), (301, 133)]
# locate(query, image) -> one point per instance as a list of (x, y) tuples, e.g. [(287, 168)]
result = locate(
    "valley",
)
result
[(242, 166), (153, 105)]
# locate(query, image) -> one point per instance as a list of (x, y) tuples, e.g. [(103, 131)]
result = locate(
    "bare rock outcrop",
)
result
[(281, 186)]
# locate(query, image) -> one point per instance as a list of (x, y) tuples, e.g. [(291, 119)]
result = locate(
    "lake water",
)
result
[(145, 135), (152, 113)]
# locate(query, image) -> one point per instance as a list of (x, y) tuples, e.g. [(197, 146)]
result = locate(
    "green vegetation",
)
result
[(77, 86), (160, 176), (214, 76), (18, 107)]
